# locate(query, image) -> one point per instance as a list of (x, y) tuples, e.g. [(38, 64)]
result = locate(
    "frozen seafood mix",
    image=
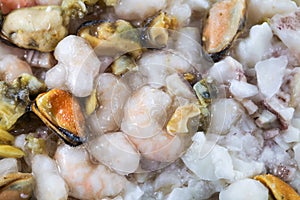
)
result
[(149, 100)]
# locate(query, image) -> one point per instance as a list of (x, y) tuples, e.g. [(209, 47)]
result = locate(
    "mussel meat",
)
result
[(60, 111), (14, 99), (179, 121), (17, 186), (278, 188), (122, 65), (39, 27), (226, 18), (112, 38), (156, 33), (76, 8)]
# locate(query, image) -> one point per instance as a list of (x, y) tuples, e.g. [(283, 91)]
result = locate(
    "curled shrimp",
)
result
[(86, 180)]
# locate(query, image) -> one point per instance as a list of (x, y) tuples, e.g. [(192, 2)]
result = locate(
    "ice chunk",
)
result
[(287, 28), (241, 89), (252, 49), (224, 113), (225, 70), (246, 189), (269, 74), (208, 160)]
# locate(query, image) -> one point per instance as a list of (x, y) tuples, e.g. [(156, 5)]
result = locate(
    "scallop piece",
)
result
[(188, 44), (225, 20), (277, 187), (48, 2)]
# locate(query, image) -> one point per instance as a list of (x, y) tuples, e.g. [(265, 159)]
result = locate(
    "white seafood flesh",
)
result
[(115, 151)]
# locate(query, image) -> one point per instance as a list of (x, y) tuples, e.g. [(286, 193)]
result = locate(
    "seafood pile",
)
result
[(142, 100)]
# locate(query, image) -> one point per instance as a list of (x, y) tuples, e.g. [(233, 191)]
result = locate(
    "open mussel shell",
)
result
[(112, 38), (60, 111), (225, 20), (16, 186)]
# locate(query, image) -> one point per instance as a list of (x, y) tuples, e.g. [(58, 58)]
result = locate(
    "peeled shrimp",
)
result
[(145, 115), (145, 112), (112, 94), (87, 180), (161, 147), (11, 67), (158, 65), (79, 63), (115, 151), (49, 184)]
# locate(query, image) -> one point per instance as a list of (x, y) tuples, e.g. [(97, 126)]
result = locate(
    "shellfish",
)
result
[(39, 27), (112, 38), (14, 99), (156, 32), (60, 111), (278, 188), (18, 186), (226, 18)]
